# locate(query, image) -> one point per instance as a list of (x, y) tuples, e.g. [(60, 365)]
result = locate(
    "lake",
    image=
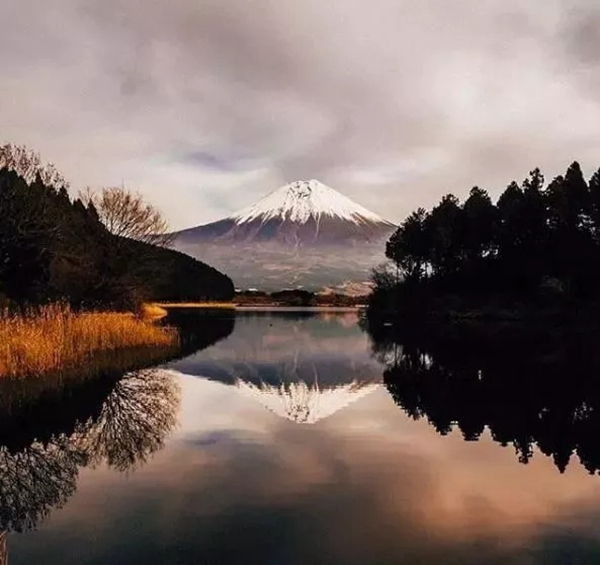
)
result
[(295, 438)]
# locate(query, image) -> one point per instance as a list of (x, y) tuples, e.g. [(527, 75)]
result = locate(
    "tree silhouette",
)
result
[(54, 248), (36, 480), (446, 229), (513, 387), (126, 214), (480, 218), (409, 246), (29, 166), (535, 238)]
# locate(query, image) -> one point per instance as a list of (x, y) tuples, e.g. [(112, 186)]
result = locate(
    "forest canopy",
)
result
[(55, 248), (535, 239)]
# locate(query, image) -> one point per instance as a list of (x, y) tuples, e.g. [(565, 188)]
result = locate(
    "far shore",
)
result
[(256, 307)]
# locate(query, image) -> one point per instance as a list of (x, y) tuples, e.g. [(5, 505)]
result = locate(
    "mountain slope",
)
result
[(302, 234)]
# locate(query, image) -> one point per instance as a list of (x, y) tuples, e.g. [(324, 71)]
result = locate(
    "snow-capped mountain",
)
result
[(302, 200), (300, 214), (292, 234)]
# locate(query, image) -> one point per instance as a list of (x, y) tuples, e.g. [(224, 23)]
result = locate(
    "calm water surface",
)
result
[(291, 439)]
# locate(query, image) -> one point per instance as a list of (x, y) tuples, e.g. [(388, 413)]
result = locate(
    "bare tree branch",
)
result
[(126, 214), (28, 164)]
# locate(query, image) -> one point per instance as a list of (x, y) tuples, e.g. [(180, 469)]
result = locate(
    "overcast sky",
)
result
[(205, 105)]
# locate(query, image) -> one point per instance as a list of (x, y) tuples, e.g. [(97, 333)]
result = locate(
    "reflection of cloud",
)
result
[(332, 346), (368, 486)]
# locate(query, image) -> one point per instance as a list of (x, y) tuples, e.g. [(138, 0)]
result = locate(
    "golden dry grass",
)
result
[(53, 338)]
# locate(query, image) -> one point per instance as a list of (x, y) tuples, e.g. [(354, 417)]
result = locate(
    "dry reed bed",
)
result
[(52, 339)]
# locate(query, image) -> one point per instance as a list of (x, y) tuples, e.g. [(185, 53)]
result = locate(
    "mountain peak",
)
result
[(302, 200)]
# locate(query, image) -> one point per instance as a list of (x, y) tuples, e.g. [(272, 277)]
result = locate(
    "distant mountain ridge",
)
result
[(304, 234)]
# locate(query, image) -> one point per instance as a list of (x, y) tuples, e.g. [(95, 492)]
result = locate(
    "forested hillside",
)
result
[(537, 244), (55, 248)]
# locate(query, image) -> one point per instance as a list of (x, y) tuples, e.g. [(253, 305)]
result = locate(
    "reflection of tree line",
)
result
[(527, 392), (119, 421), (132, 424), (40, 408)]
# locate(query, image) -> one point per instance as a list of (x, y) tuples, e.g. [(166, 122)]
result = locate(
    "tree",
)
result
[(573, 252), (28, 165), (36, 480), (408, 246), (480, 217), (534, 210), (569, 200), (594, 187), (126, 214), (383, 277), (446, 228), (510, 208), (134, 422)]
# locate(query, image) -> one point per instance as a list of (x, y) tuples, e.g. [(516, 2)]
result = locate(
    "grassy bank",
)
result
[(54, 339)]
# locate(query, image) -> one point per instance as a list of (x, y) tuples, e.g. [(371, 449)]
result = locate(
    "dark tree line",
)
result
[(535, 239), (54, 248)]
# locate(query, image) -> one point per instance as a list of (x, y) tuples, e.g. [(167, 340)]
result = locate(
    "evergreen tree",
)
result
[(408, 247), (480, 225), (594, 188), (533, 239), (445, 225)]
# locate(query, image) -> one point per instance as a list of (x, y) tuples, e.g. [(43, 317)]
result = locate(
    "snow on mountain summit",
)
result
[(302, 200)]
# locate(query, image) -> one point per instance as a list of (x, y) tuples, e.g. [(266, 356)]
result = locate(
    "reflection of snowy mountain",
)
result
[(303, 403), (303, 368)]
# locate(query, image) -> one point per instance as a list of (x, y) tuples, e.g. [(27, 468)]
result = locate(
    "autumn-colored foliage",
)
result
[(52, 339)]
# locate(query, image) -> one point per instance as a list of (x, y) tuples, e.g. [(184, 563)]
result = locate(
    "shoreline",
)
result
[(256, 307), (55, 340)]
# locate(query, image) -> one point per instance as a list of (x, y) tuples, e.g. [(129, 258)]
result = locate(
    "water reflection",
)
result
[(303, 366), (49, 433), (133, 422), (235, 483), (528, 392)]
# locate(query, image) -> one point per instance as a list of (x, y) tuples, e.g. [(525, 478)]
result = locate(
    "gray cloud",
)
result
[(205, 105)]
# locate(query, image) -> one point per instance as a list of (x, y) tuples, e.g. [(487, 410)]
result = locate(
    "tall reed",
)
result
[(53, 338)]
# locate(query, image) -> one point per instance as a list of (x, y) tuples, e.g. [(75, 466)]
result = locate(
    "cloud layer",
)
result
[(204, 105)]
